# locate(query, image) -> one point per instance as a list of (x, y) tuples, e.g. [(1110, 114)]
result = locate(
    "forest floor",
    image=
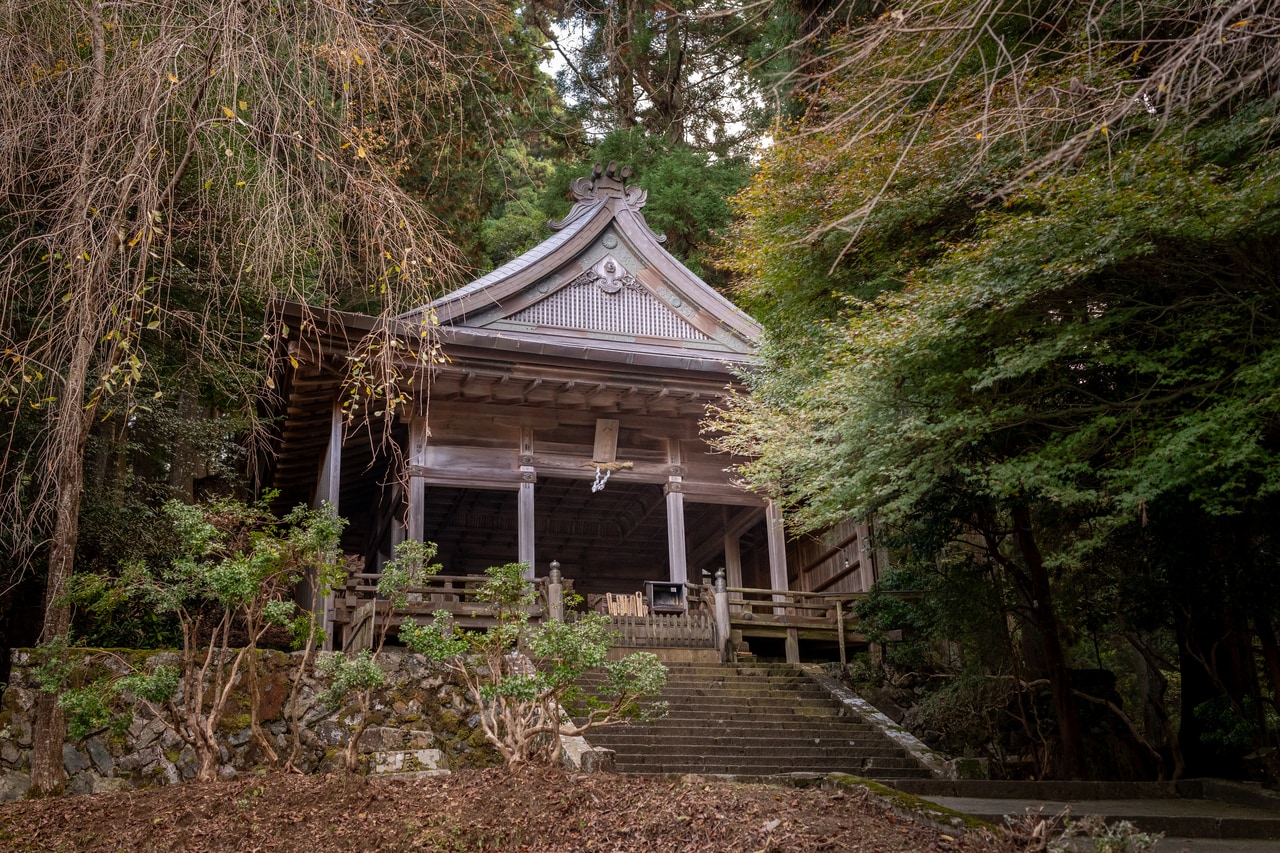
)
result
[(493, 810)]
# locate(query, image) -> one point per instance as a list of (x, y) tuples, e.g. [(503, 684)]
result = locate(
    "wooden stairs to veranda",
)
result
[(753, 720)]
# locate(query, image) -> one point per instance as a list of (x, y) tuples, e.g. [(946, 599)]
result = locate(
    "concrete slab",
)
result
[(1179, 818), (1170, 844)]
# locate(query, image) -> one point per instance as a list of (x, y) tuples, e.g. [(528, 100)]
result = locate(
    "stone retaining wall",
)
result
[(422, 721)]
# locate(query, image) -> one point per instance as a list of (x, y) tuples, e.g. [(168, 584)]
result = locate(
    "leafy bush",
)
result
[(236, 564), (525, 678)]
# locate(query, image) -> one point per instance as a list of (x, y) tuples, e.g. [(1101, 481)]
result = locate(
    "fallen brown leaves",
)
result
[(533, 810)]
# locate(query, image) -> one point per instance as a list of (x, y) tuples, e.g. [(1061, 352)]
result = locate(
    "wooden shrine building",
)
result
[(562, 423)]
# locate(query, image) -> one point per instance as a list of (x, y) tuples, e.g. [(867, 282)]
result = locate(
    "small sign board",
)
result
[(665, 596)]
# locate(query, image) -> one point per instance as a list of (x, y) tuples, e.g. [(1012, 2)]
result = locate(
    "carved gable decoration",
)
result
[(604, 276), (609, 299)]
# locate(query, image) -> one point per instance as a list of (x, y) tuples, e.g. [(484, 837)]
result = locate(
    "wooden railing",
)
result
[(747, 603), (791, 614), (692, 630), (359, 612)]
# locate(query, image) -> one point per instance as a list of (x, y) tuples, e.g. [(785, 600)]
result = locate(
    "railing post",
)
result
[(555, 593), (793, 645), (721, 610), (844, 662)]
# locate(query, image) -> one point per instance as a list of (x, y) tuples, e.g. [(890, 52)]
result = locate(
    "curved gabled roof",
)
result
[(603, 275)]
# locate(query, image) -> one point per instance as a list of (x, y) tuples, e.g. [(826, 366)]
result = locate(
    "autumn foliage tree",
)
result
[(167, 170)]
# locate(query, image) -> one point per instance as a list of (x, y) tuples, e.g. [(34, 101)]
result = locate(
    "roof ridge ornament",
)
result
[(603, 184)]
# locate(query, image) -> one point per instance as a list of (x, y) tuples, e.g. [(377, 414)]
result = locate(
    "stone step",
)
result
[(671, 738), (669, 729), (743, 681), (739, 684), (707, 672), (732, 768), (713, 700), (803, 715), (807, 695), (711, 704), (733, 686), (754, 666), (754, 721), (677, 671), (664, 732), (721, 670), (776, 755), (815, 758), (739, 740), (780, 697), (765, 727)]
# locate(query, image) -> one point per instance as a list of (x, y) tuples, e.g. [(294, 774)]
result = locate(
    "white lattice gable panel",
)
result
[(610, 300)]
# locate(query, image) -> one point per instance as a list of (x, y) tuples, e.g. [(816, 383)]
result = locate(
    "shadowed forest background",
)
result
[(1018, 263)]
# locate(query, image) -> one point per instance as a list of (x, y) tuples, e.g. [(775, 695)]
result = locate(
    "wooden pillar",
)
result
[(676, 557), (417, 495), (866, 571), (879, 554), (724, 638), (777, 548), (778, 571), (792, 645), (844, 659), (331, 466), (732, 554), (327, 490), (526, 530)]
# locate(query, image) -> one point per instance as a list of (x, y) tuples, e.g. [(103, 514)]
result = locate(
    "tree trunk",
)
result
[(69, 433), (1070, 733), (624, 59), (184, 459), (1197, 687), (1270, 655)]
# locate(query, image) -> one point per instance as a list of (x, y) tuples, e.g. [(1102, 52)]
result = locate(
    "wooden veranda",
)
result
[(792, 617)]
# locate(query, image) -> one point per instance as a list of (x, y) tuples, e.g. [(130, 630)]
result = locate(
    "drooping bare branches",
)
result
[(166, 170), (973, 79)]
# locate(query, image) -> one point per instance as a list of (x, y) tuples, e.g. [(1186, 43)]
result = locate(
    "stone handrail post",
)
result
[(555, 593), (721, 611)]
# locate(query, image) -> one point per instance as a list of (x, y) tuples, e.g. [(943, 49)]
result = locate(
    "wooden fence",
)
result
[(789, 614), (359, 634), (692, 630), (358, 612)]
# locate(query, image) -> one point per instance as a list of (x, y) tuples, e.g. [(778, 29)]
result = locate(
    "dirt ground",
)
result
[(493, 810)]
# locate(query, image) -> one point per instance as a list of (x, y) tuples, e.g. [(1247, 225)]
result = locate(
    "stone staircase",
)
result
[(752, 720)]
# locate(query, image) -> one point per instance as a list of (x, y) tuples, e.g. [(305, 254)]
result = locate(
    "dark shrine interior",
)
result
[(608, 541)]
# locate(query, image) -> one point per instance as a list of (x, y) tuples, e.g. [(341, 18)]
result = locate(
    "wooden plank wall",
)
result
[(837, 560)]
